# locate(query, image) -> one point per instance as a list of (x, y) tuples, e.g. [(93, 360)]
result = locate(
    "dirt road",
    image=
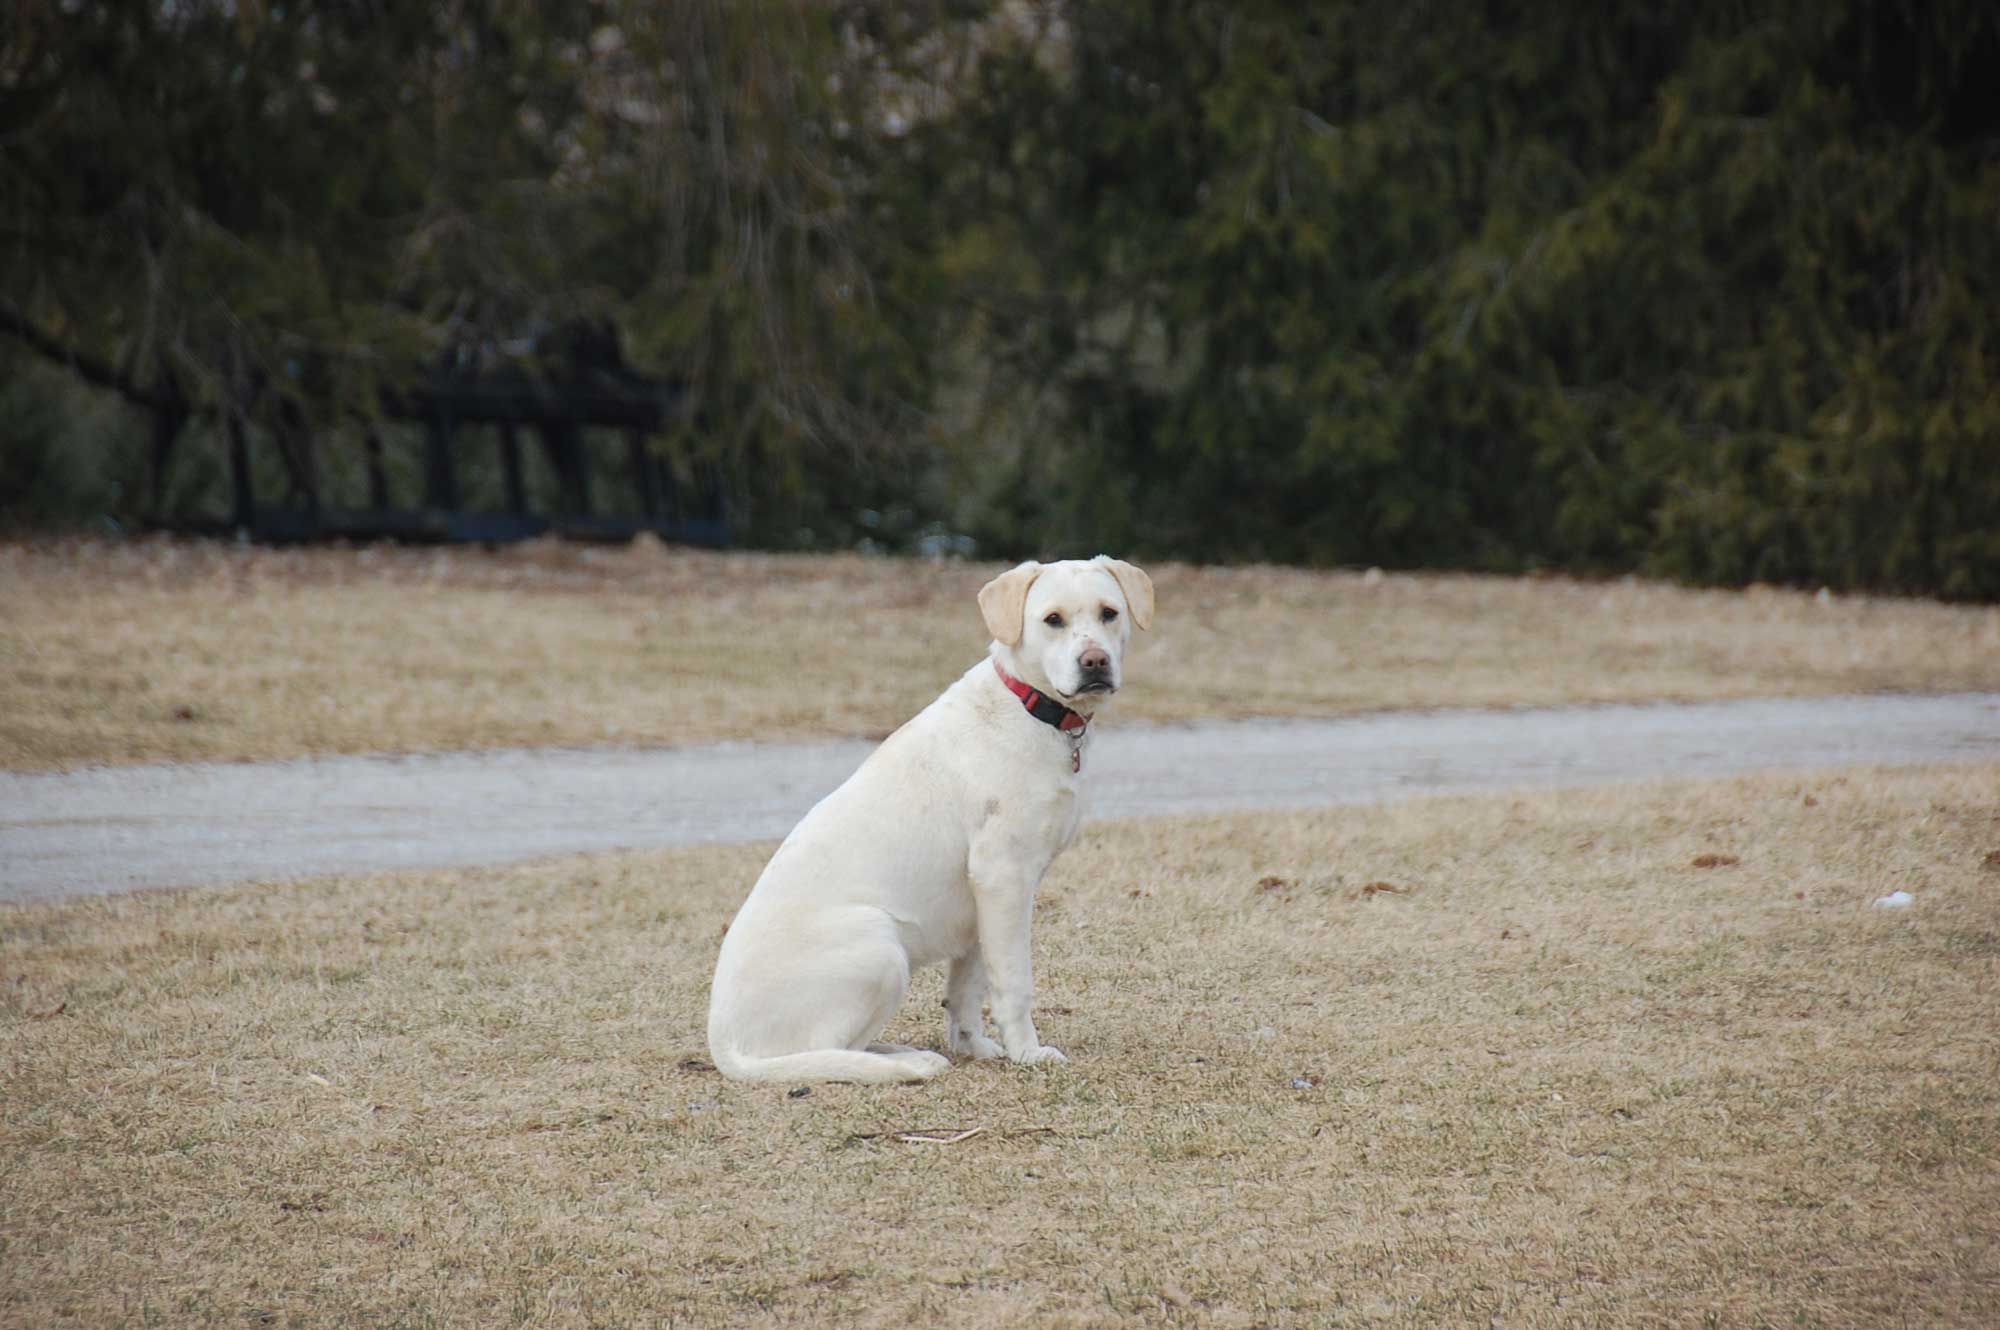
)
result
[(122, 828)]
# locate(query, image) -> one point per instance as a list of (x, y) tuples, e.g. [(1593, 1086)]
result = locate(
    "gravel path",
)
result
[(119, 828)]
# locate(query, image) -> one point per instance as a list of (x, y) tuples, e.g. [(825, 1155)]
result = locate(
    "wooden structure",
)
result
[(591, 389)]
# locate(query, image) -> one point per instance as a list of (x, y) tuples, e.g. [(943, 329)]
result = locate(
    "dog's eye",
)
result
[(1107, 614), (1052, 619)]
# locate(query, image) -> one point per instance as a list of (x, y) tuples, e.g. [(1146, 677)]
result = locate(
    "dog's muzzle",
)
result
[(1094, 672)]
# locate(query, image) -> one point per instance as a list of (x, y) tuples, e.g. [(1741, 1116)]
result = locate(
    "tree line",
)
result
[(1698, 290)]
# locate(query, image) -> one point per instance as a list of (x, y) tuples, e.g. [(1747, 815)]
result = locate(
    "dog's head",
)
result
[(1063, 627)]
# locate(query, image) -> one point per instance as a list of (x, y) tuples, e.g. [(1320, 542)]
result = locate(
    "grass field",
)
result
[(1553, 1073), (1627, 1057), (153, 649)]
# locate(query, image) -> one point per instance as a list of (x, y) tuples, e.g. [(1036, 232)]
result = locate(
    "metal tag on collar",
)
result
[(1076, 749)]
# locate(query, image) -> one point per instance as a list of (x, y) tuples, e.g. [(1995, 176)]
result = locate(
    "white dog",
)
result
[(932, 852)]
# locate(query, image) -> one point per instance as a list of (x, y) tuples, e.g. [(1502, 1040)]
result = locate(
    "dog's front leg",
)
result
[(1005, 895), (964, 995)]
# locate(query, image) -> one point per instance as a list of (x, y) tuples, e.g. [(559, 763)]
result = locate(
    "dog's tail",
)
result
[(831, 1064)]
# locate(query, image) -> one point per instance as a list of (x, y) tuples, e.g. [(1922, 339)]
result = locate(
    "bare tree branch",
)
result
[(87, 366)]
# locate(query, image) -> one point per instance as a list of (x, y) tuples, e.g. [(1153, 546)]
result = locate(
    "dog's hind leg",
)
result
[(817, 1017)]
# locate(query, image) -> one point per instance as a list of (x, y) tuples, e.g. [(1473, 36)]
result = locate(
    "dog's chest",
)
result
[(1043, 821), (1068, 816)]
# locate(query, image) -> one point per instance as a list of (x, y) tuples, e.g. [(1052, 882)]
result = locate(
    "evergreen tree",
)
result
[(1707, 291), (1701, 290)]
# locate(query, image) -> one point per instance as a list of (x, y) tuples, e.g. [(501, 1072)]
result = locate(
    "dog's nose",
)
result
[(1094, 660)]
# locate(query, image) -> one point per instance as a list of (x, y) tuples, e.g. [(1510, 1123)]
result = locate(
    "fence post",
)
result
[(168, 420), (643, 474), (510, 466), (243, 502), (440, 478), (378, 477)]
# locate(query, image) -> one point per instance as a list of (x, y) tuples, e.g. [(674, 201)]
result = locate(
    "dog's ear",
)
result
[(1138, 588), (1001, 601)]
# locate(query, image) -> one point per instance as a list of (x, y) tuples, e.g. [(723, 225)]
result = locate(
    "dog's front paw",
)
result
[(1041, 1053), (977, 1046)]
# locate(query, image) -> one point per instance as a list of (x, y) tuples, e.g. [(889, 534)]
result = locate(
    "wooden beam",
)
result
[(378, 475), (440, 476), (510, 466), (564, 442), (243, 501), (168, 422), (644, 475)]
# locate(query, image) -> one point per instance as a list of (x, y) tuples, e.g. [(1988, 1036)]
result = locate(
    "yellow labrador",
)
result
[(931, 852)]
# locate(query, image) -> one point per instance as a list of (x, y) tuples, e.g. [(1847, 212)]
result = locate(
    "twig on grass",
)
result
[(942, 1135)]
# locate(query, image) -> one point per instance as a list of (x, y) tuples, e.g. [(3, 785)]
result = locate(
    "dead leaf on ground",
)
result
[(56, 1010), (1992, 861), (695, 1064), (1272, 882), (1384, 888), (1716, 861)]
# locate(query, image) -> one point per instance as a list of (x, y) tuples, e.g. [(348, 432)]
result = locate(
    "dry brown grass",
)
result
[(1562, 1077), (162, 650)]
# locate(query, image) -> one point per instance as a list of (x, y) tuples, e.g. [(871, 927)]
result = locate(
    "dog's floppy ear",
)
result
[(1001, 601), (1138, 588)]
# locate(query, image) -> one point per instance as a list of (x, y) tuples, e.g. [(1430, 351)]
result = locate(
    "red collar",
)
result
[(1044, 709)]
